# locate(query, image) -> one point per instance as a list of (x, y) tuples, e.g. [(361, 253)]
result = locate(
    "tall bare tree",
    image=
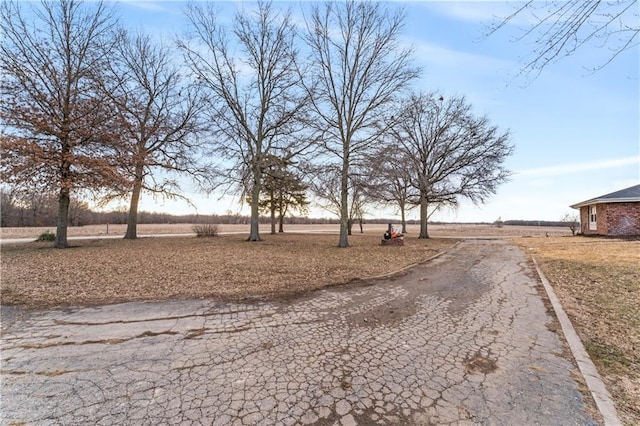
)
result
[(359, 68), (560, 28), (158, 115), (449, 152), (390, 182), (251, 74), (56, 123)]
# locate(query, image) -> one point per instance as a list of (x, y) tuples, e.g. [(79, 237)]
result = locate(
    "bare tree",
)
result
[(572, 220), (560, 28), (390, 182), (157, 113), (325, 182), (27, 208), (449, 152), (359, 68), (251, 74), (359, 200), (8, 210), (57, 126), (33, 208)]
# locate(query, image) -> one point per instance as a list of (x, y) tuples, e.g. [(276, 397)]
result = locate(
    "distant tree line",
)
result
[(91, 109), (40, 210), (559, 223)]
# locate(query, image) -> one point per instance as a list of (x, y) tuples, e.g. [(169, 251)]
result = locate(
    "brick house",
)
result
[(616, 214)]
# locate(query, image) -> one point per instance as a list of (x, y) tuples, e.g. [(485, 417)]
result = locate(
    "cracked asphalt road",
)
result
[(462, 339)]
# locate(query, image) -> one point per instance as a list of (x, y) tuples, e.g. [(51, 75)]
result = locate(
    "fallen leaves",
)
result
[(227, 268)]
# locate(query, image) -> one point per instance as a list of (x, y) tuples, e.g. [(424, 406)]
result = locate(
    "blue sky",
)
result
[(576, 132)]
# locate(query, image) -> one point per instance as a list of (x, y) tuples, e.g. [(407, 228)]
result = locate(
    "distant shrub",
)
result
[(572, 221), (205, 229), (47, 236)]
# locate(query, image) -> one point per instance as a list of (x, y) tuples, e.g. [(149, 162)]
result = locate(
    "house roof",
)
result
[(627, 195)]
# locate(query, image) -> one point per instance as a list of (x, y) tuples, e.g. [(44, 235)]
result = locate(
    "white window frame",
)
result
[(593, 217)]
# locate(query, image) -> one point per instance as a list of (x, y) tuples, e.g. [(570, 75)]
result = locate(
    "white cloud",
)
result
[(146, 5), (482, 11), (579, 167), (433, 54)]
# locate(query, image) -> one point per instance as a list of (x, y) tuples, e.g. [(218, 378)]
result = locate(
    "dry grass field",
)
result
[(597, 280), (449, 230), (598, 283), (98, 271)]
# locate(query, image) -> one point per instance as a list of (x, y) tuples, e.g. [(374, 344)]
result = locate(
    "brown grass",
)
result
[(450, 230), (227, 268), (598, 283)]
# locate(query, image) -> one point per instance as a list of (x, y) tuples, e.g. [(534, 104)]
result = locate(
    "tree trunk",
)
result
[(404, 219), (361, 223), (254, 233), (132, 218), (281, 212), (424, 204), (273, 218), (344, 203), (281, 223), (63, 219), (349, 226)]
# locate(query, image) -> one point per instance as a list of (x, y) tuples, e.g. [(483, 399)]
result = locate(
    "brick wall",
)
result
[(602, 227), (601, 220), (584, 220), (615, 219), (623, 219)]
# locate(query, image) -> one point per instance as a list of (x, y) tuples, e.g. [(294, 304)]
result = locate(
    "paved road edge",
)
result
[(596, 386)]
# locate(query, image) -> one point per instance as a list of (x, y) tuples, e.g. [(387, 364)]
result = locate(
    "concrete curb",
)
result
[(599, 392)]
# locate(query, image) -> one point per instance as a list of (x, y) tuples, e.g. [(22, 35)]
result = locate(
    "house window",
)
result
[(593, 222)]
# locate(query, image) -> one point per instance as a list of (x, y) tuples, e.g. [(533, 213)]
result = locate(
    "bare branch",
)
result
[(560, 28), (448, 152), (251, 74), (158, 114), (358, 69)]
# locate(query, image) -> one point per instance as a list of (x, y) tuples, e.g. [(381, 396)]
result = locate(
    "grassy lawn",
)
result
[(598, 283)]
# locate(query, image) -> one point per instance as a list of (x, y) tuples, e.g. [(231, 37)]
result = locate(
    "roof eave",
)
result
[(605, 200)]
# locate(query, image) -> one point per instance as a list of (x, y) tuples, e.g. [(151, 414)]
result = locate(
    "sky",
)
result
[(576, 132)]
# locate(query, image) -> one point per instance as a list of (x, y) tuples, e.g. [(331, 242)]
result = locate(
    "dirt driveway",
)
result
[(464, 338)]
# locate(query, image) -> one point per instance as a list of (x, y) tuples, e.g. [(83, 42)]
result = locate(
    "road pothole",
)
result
[(480, 364)]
